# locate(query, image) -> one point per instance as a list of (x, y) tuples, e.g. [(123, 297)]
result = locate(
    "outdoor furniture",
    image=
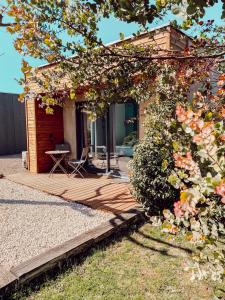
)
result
[(115, 156), (64, 147), (101, 156), (57, 156), (78, 164)]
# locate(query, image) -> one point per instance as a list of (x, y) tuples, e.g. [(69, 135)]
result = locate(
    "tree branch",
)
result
[(167, 57)]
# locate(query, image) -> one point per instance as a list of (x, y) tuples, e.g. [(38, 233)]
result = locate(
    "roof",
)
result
[(129, 38)]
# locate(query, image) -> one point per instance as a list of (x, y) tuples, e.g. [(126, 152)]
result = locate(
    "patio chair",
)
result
[(78, 164), (101, 156), (64, 146)]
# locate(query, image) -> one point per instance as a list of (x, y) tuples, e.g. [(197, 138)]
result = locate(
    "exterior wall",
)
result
[(161, 40), (44, 132), (178, 41), (170, 39), (12, 125), (69, 122), (31, 135)]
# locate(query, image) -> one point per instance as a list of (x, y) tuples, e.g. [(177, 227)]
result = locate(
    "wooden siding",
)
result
[(159, 38), (31, 135), (49, 132), (43, 133), (178, 41)]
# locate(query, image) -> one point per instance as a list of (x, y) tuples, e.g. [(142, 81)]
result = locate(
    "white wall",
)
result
[(69, 122)]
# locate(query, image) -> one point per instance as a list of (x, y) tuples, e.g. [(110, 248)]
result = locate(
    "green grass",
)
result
[(142, 265)]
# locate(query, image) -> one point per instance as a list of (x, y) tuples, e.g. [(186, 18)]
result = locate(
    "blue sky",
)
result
[(10, 60)]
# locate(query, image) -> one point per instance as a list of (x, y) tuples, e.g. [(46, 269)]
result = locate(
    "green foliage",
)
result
[(66, 32), (153, 162), (199, 174), (130, 139), (150, 168)]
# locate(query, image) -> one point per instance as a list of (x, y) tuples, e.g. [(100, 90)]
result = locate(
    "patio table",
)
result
[(57, 156)]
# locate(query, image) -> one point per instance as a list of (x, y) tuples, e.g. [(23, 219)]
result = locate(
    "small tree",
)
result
[(106, 73)]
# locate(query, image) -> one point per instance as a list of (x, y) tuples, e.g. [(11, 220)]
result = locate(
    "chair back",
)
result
[(84, 154), (63, 147)]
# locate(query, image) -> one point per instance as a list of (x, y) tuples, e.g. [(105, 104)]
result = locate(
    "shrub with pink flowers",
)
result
[(199, 174)]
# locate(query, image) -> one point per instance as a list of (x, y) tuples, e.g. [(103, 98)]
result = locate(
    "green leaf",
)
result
[(72, 94), (122, 37)]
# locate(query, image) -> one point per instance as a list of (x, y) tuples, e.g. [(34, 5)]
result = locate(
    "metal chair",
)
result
[(64, 146), (101, 156), (78, 164)]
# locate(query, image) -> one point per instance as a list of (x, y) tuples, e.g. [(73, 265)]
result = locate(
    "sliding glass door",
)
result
[(122, 133)]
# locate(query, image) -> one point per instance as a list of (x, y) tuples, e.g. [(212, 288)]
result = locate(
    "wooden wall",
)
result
[(161, 40), (43, 133), (168, 38)]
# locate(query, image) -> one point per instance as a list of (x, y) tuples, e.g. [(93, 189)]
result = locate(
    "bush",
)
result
[(150, 168)]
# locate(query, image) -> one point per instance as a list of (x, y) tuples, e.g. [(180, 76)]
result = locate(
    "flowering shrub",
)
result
[(200, 175)]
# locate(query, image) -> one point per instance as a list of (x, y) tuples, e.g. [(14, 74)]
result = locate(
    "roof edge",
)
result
[(131, 37)]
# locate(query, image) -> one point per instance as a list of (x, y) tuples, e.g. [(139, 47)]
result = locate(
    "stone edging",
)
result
[(60, 255)]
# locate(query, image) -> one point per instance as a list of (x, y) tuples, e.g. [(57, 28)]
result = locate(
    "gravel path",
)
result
[(11, 164), (32, 222)]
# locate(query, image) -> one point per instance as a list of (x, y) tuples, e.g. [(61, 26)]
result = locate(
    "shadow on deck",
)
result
[(97, 192)]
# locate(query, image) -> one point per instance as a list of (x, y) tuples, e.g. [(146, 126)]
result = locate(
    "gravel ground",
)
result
[(11, 164), (33, 222)]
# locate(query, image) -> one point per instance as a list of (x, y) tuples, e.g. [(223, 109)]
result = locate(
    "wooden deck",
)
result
[(95, 192)]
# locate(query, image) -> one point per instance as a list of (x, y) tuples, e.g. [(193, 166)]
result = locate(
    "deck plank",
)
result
[(93, 191)]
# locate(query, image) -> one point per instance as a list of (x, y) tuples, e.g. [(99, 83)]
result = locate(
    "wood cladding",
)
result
[(43, 133)]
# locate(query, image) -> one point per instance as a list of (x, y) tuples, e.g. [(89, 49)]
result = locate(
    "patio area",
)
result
[(38, 212), (97, 192)]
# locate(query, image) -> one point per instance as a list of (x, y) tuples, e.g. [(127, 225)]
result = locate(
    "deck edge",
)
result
[(64, 254)]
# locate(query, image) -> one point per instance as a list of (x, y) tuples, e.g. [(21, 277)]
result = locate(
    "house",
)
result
[(69, 124)]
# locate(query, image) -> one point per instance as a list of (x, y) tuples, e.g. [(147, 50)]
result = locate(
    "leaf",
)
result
[(49, 110), (122, 36), (72, 94)]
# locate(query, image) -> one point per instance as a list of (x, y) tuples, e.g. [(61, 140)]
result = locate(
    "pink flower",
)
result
[(181, 113), (222, 137), (184, 161), (223, 112), (197, 139), (220, 83), (177, 209), (204, 134), (220, 190)]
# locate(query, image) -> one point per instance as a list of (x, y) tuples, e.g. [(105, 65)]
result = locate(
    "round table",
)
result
[(57, 156)]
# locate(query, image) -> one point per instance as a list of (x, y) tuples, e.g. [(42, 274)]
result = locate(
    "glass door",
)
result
[(123, 135)]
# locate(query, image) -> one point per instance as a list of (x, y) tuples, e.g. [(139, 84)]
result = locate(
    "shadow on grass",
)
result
[(148, 237), (66, 267)]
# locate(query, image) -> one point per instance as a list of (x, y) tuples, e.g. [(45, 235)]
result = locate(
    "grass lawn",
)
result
[(142, 265)]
